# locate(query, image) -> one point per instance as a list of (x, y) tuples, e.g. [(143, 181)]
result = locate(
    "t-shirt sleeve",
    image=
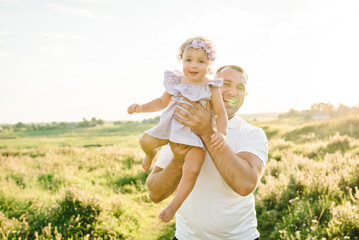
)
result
[(255, 141), (165, 157)]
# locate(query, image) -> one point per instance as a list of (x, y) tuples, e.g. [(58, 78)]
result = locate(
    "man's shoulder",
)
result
[(246, 129), (242, 124), (249, 138)]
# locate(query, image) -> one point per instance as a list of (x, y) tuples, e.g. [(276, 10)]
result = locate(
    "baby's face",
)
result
[(195, 64)]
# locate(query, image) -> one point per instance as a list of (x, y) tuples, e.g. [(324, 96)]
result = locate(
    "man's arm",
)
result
[(241, 171), (161, 183)]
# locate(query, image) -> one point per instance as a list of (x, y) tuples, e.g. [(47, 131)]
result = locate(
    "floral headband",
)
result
[(200, 44)]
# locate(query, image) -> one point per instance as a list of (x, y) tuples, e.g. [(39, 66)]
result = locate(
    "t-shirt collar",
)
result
[(234, 121)]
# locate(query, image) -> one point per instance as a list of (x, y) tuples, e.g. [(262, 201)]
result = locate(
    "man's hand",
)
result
[(179, 151), (218, 141), (197, 118), (134, 108)]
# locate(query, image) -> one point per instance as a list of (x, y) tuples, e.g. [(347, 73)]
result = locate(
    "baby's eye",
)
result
[(188, 60), (201, 61)]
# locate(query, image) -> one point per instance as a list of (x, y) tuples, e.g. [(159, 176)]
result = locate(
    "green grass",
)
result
[(123, 130), (88, 184), (307, 189), (60, 184)]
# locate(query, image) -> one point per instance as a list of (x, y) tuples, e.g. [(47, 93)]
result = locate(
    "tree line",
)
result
[(20, 126), (322, 109), (54, 125)]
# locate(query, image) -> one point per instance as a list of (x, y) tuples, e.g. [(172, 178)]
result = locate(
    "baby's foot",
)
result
[(147, 160), (167, 213)]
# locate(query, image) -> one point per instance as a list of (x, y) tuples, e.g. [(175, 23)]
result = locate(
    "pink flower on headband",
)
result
[(200, 44)]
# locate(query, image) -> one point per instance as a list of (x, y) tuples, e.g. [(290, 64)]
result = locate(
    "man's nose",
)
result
[(232, 91)]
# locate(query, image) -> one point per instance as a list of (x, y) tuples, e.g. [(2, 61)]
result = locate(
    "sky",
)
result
[(70, 59)]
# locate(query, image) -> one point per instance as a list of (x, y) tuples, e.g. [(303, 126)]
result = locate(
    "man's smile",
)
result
[(231, 101)]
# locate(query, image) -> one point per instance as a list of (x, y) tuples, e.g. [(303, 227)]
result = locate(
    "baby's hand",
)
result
[(218, 141), (134, 108)]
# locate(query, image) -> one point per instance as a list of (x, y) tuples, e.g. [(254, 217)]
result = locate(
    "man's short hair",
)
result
[(234, 67)]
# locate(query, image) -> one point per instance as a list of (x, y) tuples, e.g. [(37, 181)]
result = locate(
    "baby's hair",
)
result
[(234, 67), (184, 46), (189, 41)]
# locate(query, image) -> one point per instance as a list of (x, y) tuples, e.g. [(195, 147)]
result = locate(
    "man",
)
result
[(221, 205)]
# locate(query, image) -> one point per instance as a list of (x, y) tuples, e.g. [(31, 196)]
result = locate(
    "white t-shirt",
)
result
[(213, 210)]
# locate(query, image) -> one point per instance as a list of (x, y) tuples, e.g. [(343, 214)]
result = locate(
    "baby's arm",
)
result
[(218, 139), (153, 106)]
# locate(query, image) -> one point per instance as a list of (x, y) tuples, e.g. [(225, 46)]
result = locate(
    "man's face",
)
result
[(233, 89)]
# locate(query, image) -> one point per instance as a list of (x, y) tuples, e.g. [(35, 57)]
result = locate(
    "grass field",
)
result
[(88, 184)]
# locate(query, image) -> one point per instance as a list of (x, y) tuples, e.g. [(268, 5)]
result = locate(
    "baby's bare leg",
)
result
[(149, 145), (191, 168)]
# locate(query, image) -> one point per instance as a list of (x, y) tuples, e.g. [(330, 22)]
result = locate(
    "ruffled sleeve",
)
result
[(218, 82), (171, 79)]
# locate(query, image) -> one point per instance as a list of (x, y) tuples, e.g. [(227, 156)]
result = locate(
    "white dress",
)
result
[(168, 127)]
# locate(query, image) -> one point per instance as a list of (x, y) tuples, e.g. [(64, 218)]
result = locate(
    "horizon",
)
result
[(126, 120), (244, 115), (94, 58)]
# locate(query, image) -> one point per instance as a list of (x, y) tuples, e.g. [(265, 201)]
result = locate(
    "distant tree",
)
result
[(292, 113), (7, 127), (118, 122), (64, 125), (322, 108), (34, 126), (84, 123), (131, 122), (343, 110), (92, 123), (356, 108), (19, 125), (100, 122), (306, 114), (151, 120)]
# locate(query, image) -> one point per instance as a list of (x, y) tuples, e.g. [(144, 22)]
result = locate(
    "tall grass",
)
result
[(310, 186), (55, 192), (89, 184)]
